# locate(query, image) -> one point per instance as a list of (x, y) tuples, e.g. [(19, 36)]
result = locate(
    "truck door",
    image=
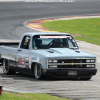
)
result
[(23, 52)]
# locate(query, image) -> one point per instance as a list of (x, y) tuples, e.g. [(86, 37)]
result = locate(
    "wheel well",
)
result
[(32, 66), (1, 62)]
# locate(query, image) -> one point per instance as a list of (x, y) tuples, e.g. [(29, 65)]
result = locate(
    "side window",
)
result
[(25, 42)]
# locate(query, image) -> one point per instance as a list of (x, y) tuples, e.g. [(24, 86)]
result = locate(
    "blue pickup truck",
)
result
[(48, 54)]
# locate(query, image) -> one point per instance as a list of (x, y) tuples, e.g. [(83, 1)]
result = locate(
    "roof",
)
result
[(45, 33)]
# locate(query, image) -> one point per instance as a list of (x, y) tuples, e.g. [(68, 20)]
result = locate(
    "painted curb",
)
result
[(37, 24)]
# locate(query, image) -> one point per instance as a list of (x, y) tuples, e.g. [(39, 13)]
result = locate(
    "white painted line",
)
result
[(89, 84)]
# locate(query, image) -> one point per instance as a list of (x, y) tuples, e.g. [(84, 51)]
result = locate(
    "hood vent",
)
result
[(50, 51)]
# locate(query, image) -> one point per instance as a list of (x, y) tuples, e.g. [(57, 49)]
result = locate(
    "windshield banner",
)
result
[(53, 36)]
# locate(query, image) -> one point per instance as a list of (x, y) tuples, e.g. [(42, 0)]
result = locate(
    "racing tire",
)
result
[(38, 71), (7, 69)]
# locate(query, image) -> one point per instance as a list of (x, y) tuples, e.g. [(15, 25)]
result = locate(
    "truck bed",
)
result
[(8, 51), (9, 44)]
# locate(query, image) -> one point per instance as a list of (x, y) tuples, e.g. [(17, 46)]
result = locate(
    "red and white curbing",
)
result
[(37, 24)]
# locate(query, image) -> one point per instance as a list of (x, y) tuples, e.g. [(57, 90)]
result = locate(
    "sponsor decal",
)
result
[(70, 37), (73, 40), (21, 61), (30, 61), (35, 48), (35, 59)]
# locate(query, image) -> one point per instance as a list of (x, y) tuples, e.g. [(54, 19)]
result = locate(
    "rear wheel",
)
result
[(6, 68), (38, 71)]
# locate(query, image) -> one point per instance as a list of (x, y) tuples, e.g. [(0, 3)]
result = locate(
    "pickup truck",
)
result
[(48, 54)]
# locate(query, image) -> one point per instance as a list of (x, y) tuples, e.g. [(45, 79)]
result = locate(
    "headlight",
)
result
[(49, 61), (88, 60), (92, 60), (90, 65), (52, 61)]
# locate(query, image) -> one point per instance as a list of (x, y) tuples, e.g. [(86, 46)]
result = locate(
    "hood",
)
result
[(63, 52)]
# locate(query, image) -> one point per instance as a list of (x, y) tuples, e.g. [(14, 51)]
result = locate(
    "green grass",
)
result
[(29, 96), (84, 29)]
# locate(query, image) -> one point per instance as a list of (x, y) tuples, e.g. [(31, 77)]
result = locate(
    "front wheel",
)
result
[(38, 71)]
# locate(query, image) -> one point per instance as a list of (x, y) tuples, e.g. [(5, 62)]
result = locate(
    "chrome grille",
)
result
[(72, 61), (71, 66)]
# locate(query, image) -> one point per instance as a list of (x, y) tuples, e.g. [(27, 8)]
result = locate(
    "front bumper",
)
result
[(81, 73)]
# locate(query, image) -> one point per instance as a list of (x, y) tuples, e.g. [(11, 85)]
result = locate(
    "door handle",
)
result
[(19, 50)]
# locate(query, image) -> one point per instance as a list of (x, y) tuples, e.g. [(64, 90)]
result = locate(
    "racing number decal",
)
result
[(21, 62)]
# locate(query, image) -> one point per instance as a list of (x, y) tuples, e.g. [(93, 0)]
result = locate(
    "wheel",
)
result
[(6, 68), (86, 78), (38, 71)]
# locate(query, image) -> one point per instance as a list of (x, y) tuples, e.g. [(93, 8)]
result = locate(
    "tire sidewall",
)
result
[(4, 67), (35, 73)]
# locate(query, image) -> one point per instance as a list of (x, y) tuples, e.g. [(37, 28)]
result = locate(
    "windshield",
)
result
[(46, 42)]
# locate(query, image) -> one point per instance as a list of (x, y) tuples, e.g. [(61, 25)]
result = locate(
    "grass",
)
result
[(29, 96), (84, 29)]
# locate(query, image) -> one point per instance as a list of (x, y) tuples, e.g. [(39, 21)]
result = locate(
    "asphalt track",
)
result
[(12, 16)]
